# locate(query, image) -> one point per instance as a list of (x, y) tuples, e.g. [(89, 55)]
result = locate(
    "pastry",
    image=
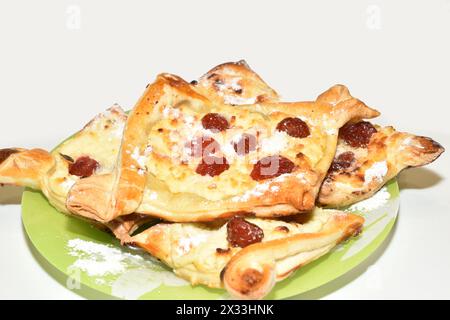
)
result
[(233, 173), (247, 256), (90, 152), (100, 141), (367, 155), (184, 158)]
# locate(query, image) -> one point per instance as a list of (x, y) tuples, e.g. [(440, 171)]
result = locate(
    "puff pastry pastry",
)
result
[(360, 167), (161, 173), (230, 167), (209, 253), (235, 83), (229, 83), (84, 167), (232, 83), (54, 173)]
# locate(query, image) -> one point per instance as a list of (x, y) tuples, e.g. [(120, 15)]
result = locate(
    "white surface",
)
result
[(57, 71)]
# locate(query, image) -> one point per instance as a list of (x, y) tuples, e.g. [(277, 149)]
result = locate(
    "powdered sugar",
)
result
[(188, 119), (302, 177), (233, 99), (276, 143), (260, 189), (129, 275), (140, 159), (117, 131), (274, 188), (377, 200), (331, 131), (98, 259), (186, 244), (113, 120), (228, 150), (221, 87), (377, 171), (68, 183), (151, 195), (236, 100), (170, 112), (234, 84)]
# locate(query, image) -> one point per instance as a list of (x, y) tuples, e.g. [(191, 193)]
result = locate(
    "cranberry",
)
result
[(357, 134), (215, 122), (212, 166), (241, 233), (271, 167), (83, 167), (294, 127)]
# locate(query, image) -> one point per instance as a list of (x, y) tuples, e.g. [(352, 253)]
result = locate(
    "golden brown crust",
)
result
[(28, 168), (124, 226), (124, 187), (339, 189), (41, 170), (109, 195), (113, 196), (121, 192), (99, 140), (250, 274), (283, 202), (387, 154), (172, 90), (106, 197), (25, 167), (336, 94), (201, 254), (128, 184), (235, 83), (90, 195)]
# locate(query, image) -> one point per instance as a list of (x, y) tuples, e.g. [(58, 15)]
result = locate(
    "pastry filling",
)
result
[(215, 122), (294, 127), (271, 167), (357, 134), (241, 233), (212, 166), (83, 167)]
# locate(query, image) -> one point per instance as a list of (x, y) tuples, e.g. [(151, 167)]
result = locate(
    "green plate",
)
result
[(93, 258)]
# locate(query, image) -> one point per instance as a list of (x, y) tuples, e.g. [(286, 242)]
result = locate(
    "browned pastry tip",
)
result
[(251, 273), (420, 151), (235, 83), (335, 94), (24, 167)]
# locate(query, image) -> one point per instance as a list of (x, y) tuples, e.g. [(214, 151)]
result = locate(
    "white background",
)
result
[(61, 62)]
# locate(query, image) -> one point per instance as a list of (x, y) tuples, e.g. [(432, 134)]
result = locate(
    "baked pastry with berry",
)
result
[(367, 155), (185, 158), (247, 255)]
